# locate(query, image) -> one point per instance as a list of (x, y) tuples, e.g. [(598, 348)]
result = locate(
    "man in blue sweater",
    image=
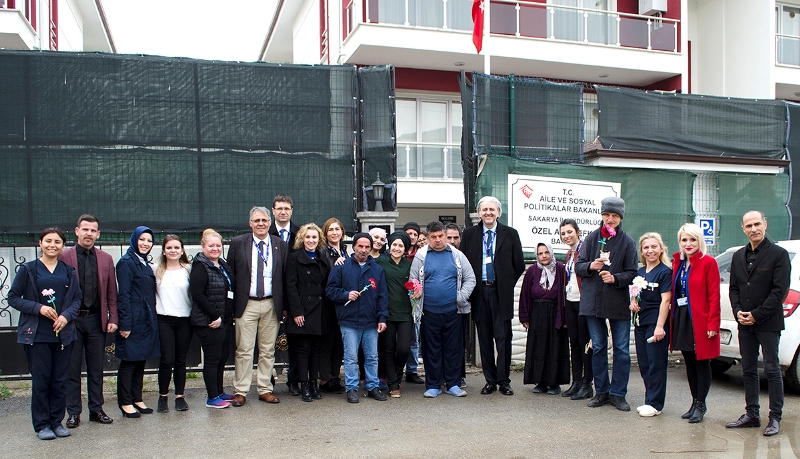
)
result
[(358, 288)]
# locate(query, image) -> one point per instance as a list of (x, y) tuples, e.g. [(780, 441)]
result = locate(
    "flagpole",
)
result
[(487, 67)]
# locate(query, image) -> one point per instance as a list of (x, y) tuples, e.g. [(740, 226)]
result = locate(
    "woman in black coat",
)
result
[(306, 278), (331, 348), (211, 286), (137, 339)]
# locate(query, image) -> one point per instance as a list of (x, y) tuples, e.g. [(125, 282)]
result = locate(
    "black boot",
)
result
[(688, 414), (584, 392), (315, 390), (576, 385), (698, 413), (305, 391)]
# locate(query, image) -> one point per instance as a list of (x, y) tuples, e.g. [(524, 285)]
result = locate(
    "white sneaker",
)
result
[(639, 408), (648, 411)]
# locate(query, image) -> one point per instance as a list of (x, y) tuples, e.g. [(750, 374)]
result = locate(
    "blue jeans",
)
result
[(367, 338), (621, 370), (413, 356)]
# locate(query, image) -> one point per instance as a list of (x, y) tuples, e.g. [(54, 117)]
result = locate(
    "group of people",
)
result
[(373, 310)]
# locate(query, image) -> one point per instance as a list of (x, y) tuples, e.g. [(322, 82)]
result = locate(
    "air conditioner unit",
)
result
[(652, 7)]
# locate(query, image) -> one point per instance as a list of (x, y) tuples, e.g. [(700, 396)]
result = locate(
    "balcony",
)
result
[(534, 39), (788, 50), (787, 67), (429, 161), (16, 31)]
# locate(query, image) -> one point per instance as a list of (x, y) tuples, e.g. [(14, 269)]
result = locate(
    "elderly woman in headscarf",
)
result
[(395, 342), (137, 339), (541, 312)]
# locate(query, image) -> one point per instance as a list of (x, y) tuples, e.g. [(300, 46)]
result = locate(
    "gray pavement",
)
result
[(524, 425)]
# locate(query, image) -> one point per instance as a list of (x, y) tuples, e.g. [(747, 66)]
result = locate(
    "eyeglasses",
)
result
[(260, 220)]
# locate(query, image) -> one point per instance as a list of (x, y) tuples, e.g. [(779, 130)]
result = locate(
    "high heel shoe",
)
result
[(125, 414), (144, 410)]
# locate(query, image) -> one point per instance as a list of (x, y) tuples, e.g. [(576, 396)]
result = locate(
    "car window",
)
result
[(724, 263)]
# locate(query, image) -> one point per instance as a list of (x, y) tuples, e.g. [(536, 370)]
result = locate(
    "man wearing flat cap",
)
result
[(607, 263)]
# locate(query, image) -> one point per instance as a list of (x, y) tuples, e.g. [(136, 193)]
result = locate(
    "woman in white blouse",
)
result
[(174, 326)]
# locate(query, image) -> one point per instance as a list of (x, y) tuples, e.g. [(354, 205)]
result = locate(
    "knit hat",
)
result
[(402, 236), (411, 225), (613, 204), (359, 236)]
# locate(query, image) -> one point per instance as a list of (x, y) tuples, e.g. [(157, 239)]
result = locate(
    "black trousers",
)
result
[(216, 344), (698, 372), (465, 324), (749, 342), (130, 381), (175, 334), (578, 333), (48, 364), (395, 343), (90, 343), (292, 376), (441, 345), (331, 353), (493, 331), (307, 356)]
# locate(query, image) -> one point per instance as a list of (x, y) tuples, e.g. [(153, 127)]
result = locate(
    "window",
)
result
[(428, 138), (788, 29)]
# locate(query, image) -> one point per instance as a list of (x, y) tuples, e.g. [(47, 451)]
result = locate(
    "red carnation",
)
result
[(373, 283)]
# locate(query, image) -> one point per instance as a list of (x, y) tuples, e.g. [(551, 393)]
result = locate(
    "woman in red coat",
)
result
[(694, 322)]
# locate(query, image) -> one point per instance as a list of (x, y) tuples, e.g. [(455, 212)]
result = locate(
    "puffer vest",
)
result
[(216, 291)]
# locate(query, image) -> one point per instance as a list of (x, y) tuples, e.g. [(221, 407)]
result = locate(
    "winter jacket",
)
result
[(306, 279), (209, 289), (372, 307), (136, 305), (465, 278)]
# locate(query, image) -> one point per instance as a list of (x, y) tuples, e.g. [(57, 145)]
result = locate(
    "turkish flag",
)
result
[(477, 18)]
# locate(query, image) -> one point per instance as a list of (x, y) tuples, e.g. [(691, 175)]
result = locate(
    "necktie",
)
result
[(260, 271), (489, 256), (283, 236)]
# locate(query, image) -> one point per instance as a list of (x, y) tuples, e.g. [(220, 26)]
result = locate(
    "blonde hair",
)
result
[(209, 233), (690, 229), (657, 237), (301, 234)]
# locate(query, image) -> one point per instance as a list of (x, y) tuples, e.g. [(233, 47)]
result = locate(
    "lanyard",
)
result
[(684, 276), (227, 277), (571, 261), (487, 244), (260, 254)]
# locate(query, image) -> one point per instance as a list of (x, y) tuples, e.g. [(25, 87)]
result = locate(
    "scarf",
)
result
[(549, 270)]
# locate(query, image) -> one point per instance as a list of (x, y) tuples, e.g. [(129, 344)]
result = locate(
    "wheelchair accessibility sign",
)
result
[(709, 227)]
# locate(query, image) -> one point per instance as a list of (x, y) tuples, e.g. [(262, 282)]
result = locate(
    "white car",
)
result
[(789, 347)]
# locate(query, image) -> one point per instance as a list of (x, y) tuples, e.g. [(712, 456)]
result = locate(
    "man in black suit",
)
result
[(258, 261), (495, 253), (760, 277), (284, 228)]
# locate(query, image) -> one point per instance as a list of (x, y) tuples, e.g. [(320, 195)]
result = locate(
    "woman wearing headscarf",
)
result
[(137, 339), (47, 294), (395, 341), (541, 312)]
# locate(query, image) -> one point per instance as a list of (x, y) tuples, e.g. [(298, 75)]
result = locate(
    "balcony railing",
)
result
[(788, 49), (523, 20), (429, 161)]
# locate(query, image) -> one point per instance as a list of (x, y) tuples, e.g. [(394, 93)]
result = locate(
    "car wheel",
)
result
[(719, 367), (793, 374)]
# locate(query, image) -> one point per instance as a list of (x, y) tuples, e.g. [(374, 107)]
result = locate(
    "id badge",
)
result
[(487, 260), (230, 294), (683, 301)]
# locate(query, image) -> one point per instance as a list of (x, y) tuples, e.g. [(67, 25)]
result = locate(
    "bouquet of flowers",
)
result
[(607, 232), (372, 284), (635, 291), (414, 286)]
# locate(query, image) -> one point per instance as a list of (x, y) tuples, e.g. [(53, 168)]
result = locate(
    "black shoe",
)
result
[(598, 400), (462, 384), (305, 391), (619, 402), (505, 388), (163, 404), (143, 410), (125, 414), (377, 394), (312, 385), (744, 421), (772, 428), (488, 388), (688, 414), (584, 392), (352, 396), (294, 389), (575, 387), (74, 421), (414, 378), (698, 413), (180, 404), (555, 390), (100, 417), (539, 389)]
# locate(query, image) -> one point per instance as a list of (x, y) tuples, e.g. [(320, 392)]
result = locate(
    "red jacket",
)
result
[(703, 292)]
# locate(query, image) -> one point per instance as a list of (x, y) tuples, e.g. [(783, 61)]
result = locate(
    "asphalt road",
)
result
[(523, 425)]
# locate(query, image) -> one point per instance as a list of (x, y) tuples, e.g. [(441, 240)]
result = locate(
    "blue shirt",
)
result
[(441, 282), (659, 280)]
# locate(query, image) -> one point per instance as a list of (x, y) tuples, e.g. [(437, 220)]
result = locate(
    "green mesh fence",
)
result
[(739, 193)]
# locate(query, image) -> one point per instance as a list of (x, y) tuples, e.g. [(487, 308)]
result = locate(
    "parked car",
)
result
[(789, 347)]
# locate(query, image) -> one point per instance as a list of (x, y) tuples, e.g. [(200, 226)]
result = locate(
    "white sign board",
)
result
[(536, 205)]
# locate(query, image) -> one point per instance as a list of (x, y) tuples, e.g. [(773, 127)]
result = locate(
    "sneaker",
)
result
[(217, 403), (395, 393), (647, 411), (180, 404), (432, 393), (456, 391), (377, 394), (226, 397), (352, 396), (619, 402), (463, 383), (163, 405), (639, 408), (46, 434), (61, 431)]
